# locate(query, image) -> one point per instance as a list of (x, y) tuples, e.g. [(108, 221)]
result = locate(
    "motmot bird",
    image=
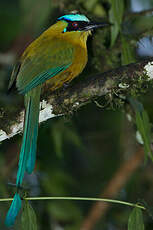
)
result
[(57, 56)]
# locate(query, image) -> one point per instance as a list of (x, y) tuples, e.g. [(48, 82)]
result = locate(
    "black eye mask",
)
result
[(75, 26)]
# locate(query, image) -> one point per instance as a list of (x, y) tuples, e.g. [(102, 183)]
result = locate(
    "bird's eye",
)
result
[(75, 24)]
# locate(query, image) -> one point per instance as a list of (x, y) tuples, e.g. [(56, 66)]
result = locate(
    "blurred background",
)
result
[(94, 152)]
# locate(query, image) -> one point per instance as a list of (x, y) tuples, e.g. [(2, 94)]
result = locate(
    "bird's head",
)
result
[(79, 23)]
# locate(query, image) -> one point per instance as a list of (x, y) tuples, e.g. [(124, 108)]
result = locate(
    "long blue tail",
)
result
[(29, 141), (28, 149), (13, 210)]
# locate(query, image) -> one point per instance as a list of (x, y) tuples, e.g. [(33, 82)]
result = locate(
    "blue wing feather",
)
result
[(41, 78)]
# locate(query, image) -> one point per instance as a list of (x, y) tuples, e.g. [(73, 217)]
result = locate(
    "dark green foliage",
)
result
[(127, 51), (143, 126), (135, 221), (28, 217), (115, 16)]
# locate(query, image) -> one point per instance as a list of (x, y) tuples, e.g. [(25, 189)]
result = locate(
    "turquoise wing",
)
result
[(41, 78), (49, 60)]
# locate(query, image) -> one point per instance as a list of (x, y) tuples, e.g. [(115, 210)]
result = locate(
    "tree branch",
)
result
[(131, 79)]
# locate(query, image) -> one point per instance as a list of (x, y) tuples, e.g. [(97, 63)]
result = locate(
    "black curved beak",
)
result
[(95, 25)]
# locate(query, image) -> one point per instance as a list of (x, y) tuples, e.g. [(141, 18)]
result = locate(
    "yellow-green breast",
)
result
[(77, 43), (52, 49)]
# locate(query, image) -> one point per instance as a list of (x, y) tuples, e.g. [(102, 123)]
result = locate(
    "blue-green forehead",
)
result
[(74, 17)]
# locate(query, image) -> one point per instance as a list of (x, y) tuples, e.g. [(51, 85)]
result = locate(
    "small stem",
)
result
[(6, 199), (79, 199)]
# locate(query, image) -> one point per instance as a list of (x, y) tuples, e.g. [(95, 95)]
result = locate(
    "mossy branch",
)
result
[(132, 79)]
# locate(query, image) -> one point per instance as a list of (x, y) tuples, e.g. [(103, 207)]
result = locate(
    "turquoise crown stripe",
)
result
[(74, 17)]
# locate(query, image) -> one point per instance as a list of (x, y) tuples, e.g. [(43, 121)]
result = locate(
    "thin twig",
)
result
[(78, 199)]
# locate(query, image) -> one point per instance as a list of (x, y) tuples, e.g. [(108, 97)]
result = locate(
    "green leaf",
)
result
[(115, 17), (114, 29), (28, 218), (117, 10), (143, 125), (127, 52), (135, 221)]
